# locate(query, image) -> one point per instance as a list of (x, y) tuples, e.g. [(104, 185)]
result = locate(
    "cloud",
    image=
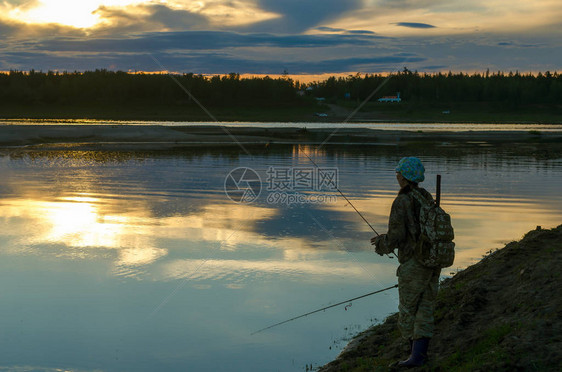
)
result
[(133, 15), (313, 36), (231, 13), (298, 15), (23, 4), (454, 17), (519, 45), (212, 52), (361, 32), (436, 5), (15, 30), (147, 17), (434, 68), (329, 29), (199, 40), (343, 31), (204, 52), (6, 29), (206, 63), (414, 25)]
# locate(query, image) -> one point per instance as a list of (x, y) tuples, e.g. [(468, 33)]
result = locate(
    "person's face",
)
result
[(401, 180)]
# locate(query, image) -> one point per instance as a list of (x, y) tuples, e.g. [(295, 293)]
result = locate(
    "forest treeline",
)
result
[(510, 89), (103, 87)]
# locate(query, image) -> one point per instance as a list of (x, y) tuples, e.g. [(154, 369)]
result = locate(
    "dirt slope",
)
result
[(501, 314)]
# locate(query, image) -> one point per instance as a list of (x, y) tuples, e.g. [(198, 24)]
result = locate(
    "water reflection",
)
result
[(131, 232), (137, 205), (85, 226), (79, 222)]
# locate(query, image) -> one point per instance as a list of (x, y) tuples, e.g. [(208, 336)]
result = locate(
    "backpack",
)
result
[(435, 247)]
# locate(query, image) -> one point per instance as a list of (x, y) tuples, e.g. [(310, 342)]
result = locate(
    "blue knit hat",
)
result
[(411, 168)]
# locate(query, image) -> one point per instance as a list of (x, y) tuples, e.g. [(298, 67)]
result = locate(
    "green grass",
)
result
[(163, 113), (302, 112), (365, 365), (460, 285), (484, 352), (468, 112)]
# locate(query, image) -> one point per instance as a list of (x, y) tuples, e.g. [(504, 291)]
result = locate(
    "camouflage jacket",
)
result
[(403, 225)]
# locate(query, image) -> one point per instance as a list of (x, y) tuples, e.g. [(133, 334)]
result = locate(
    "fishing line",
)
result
[(324, 308), (349, 201), (346, 199)]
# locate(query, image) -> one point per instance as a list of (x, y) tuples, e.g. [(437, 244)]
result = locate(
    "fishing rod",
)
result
[(341, 193), (349, 201), (322, 309), (438, 191)]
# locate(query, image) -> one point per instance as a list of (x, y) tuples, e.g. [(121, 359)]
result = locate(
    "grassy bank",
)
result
[(467, 112), (303, 112), (501, 314)]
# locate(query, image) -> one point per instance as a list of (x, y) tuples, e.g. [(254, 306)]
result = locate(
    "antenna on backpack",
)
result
[(438, 191)]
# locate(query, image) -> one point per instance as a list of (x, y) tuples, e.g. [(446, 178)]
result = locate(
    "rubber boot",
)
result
[(418, 357), (394, 365)]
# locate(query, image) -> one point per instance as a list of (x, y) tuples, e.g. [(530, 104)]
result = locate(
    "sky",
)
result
[(300, 37)]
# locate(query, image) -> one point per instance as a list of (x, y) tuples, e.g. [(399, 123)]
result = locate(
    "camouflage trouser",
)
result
[(417, 287)]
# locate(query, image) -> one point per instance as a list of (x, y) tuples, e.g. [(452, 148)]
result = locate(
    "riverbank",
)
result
[(306, 111), (155, 137), (501, 314), (186, 113)]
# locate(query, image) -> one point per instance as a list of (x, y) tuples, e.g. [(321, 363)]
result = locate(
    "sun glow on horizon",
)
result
[(79, 14), (94, 13)]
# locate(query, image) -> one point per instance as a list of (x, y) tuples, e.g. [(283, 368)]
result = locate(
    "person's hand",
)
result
[(375, 241)]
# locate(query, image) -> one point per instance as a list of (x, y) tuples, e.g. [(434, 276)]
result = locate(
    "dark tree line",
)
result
[(511, 89), (103, 87)]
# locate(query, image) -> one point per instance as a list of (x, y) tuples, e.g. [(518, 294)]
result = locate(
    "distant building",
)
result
[(395, 98)]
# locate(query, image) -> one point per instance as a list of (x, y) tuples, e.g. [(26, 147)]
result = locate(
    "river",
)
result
[(141, 261)]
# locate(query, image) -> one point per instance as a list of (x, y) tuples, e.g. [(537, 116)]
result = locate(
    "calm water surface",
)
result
[(122, 261)]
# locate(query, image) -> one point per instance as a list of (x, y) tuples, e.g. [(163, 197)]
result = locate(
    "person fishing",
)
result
[(423, 234), (417, 284)]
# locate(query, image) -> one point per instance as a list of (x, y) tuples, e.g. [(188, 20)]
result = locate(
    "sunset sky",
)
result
[(271, 36)]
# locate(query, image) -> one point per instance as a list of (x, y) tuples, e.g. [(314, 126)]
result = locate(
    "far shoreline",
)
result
[(306, 111), (298, 123), (116, 136)]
